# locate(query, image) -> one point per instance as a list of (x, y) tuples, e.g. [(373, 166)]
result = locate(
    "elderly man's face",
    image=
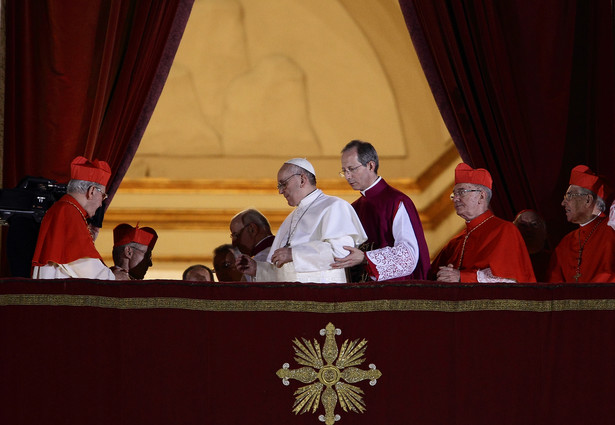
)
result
[(289, 185), (469, 201), (140, 261), (95, 200), (578, 206), (240, 236)]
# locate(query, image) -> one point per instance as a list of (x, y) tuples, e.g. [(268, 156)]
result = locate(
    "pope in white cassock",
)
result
[(311, 236)]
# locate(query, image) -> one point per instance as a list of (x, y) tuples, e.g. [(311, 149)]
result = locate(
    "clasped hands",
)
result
[(448, 274)]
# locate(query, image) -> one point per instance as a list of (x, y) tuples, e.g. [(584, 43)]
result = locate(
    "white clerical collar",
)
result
[(373, 184), (585, 224), (309, 198)]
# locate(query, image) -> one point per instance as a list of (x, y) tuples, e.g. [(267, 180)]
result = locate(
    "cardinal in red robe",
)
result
[(586, 254), (132, 251), (65, 246), (489, 249)]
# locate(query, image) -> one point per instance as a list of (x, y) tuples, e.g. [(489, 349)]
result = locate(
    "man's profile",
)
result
[(132, 251), (65, 247)]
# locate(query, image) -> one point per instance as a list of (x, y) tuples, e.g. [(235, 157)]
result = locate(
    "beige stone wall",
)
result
[(256, 82)]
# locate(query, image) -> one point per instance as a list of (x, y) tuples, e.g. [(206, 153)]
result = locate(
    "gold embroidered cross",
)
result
[(329, 381)]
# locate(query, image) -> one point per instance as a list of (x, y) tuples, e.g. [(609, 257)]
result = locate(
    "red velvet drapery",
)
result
[(82, 79), (526, 89)]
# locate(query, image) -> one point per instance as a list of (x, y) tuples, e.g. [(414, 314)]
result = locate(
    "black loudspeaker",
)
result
[(22, 209)]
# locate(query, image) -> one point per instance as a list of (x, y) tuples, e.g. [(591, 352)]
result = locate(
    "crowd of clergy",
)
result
[(379, 237)]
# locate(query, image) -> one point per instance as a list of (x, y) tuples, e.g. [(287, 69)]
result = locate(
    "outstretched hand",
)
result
[(355, 257)]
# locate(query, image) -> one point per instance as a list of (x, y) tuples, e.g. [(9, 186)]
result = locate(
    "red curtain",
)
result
[(83, 78), (526, 89)]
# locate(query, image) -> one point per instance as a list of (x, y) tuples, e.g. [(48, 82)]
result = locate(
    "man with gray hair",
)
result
[(132, 251), (489, 249), (311, 236), (65, 247), (586, 254), (251, 234)]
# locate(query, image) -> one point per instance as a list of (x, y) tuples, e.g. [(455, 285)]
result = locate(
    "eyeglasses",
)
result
[(283, 183), (459, 193), (104, 195), (350, 170), (235, 235), (568, 196)]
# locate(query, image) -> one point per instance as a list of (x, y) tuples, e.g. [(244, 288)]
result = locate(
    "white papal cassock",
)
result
[(316, 231)]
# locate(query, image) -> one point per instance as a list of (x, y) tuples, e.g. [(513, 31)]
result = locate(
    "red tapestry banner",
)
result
[(168, 352)]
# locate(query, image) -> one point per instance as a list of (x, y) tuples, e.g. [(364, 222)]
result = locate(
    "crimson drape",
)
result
[(526, 89), (82, 79)]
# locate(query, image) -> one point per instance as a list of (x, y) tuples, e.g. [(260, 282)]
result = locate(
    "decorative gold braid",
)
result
[(192, 304), (463, 247)]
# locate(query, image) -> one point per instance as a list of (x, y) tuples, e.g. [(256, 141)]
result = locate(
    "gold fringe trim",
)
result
[(306, 306)]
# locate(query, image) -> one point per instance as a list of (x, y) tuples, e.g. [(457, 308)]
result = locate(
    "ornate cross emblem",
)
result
[(329, 382)]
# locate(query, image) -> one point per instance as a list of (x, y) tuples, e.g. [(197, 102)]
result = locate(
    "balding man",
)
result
[(311, 236), (198, 273), (251, 234), (586, 254), (489, 249)]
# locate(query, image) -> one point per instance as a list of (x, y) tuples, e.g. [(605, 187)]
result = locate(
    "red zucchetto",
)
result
[(124, 234), (94, 171), (466, 174), (583, 177)]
